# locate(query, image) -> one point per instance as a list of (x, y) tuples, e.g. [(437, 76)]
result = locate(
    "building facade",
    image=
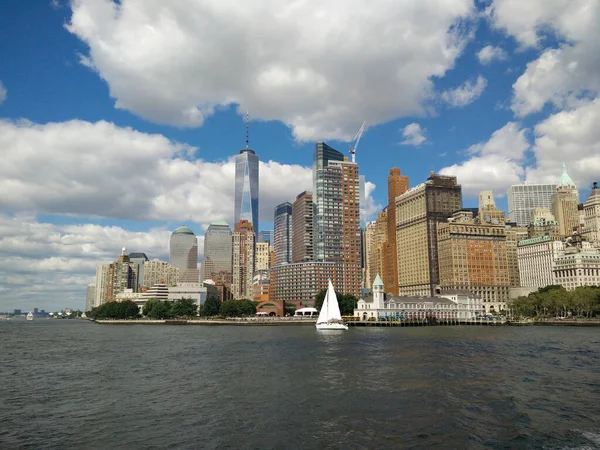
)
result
[(543, 223), (524, 198), (397, 185), (536, 257), (418, 213), (157, 272), (262, 256), (302, 228), (139, 259), (565, 203), (578, 265), (217, 250), (90, 297), (591, 216), (266, 236), (183, 254), (282, 233), (303, 281), (243, 260), (246, 188), (122, 274), (102, 277)]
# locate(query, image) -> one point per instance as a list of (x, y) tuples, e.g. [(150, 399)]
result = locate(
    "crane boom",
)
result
[(356, 140)]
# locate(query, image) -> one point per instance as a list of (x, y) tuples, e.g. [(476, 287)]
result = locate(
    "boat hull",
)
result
[(332, 326)]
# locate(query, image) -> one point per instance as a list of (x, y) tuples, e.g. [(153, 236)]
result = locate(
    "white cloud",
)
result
[(99, 169), (490, 53), (414, 134), (563, 75), (49, 266), (2, 93), (465, 94), (496, 164), (310, 64)]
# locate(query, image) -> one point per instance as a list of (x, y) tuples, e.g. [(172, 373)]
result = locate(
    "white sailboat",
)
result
[(330, 317), (30, 316)]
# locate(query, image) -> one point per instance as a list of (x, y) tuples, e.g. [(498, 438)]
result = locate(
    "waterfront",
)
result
[(73, 384)]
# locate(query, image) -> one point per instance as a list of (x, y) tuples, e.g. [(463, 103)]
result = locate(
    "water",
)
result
[(75, 384)]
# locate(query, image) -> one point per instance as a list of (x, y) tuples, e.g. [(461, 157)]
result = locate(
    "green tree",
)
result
[(229, 308), (150, 303), (184, 307), (211, 306), (246, 307), (115, 310), (162, 310)]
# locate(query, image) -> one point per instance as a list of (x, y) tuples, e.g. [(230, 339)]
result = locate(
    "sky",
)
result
[(119, 119)]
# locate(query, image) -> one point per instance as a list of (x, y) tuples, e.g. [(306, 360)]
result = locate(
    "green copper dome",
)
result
[(565, 179), (183, 230)]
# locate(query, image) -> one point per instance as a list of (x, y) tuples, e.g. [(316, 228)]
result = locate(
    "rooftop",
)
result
[(183, 230)]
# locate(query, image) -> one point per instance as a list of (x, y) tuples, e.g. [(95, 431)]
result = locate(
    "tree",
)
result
[(229, 308), (116, 310), (150, 303), (184, 307), (161, 310), (246, 307), (211, 306)]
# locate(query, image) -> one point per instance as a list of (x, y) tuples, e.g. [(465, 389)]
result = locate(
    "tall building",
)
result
[(303, 281), (418, 213), (543, 223), (282, 224), (473, 257), (243, 260), (513, 236), (183, 254), (565, 203), (102, 275), (524, 198), (368, 244), (591, 216), (262, 256), (246, 186), (265, 236), (160, 272), (536, 256), (302, 228), (323, 155), (139, 259), (487, 211), (217, 251), (90, 297), (376, 246), (122, 274), (397, 185)]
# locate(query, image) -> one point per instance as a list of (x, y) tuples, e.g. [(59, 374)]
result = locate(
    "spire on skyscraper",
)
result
[(247, 128)]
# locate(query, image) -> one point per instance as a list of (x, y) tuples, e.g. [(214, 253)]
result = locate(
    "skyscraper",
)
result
[(397, 185), (122, 274), (243, 260), (246, 186), (265, 236), (591, 211), (139, 259), (302, 228), (217, 251), (102, 275), (282, 233), (90, 297), (565, 202), (524, 198), (183, 254)]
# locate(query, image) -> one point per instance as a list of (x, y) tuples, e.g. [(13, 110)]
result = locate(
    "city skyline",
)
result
[(101, 154)]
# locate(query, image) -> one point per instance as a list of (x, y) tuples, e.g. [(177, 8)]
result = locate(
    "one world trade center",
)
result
[(246, 187)]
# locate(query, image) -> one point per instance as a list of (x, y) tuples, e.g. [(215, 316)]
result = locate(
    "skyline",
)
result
[(102, 148)]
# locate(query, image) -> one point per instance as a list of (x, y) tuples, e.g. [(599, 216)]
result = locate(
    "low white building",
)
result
[(450, 305), (579, 265)]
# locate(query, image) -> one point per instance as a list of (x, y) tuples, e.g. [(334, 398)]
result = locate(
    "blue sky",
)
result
[(118, 121)]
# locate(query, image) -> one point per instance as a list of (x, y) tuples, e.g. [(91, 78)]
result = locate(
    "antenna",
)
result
[(247, 130)]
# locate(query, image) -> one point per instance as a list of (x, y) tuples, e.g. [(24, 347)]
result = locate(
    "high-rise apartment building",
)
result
[(160, 272), (397, 185), (591, 216), (262, 256), (302, 228), (303, 281), (524, 198), (217, 251), (282, 233), (418, 213), (183, 254), (122, 274), (90, 297), (368, 240), (246, 188), (139, 259), (565, 202), (243, 260), (102, 275)]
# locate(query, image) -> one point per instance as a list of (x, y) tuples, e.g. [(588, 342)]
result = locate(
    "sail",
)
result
[(330, 309)]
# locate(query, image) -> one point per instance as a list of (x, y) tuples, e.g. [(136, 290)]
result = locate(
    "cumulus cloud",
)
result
[(565, 75), (2, 93), (465, 94), (490, 53), (48, 266), (496, 164), (102, 170), (414, 134), (308, 64)]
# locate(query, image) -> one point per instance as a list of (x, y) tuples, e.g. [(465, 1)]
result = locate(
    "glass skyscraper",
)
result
[(217, 251), (524, 198), (246, 188), (282, 223), (183, 254)]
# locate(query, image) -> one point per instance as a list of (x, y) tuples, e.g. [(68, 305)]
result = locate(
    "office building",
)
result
[(524, 198), (565, 203), (514, 234), (102, 275), (397, 185), (160, 272), (90, 297), (139, 259), (578, 265), (243, 260), (418, 213), (262, 256), (536, 257), (122, 274), (282, 224), (265, 236), (302, 228), (543, 223), (591, 216), (376, 237), (183, 254), (246, 187), (217, 251)]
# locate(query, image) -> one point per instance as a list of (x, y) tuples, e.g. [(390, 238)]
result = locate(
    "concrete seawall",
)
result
[(248, 322)]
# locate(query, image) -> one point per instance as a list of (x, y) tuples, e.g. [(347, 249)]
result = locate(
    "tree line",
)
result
[(556, 301)]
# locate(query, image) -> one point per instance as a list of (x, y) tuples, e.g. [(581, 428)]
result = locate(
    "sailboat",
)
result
[(330, 317), (30, 316)]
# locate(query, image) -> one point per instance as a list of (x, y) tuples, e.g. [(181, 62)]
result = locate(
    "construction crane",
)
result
[(356, 140)]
